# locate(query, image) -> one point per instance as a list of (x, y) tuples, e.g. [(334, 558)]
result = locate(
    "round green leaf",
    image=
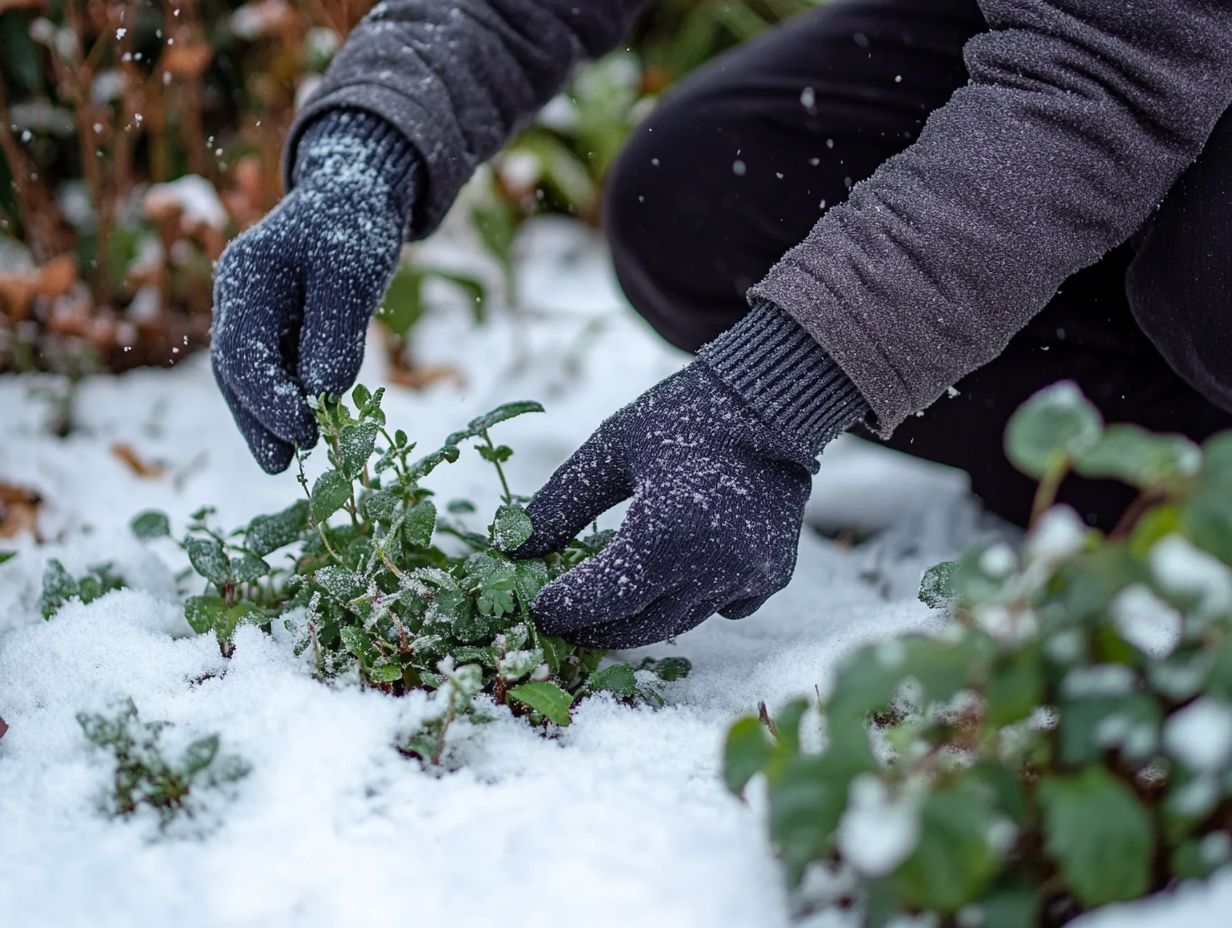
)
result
[(151, 524), (1100, 835), (1056, 425)]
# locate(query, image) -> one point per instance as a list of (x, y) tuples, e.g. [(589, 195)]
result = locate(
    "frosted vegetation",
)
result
[(1064, 742), (375, 583)]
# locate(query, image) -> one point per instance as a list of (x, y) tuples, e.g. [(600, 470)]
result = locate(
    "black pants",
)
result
[(741, 160)]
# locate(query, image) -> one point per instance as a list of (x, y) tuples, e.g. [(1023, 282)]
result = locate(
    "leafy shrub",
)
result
[(145, 777), (373, 590), (1066, 741), (59, 586), (135, 137)]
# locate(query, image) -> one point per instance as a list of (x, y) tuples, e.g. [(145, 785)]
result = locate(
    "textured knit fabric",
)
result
[(784, 376), (293, 295), (458, 77), (1079, 117), (717, 503), (688, 236)]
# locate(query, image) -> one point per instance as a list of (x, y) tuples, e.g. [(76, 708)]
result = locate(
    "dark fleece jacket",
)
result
[(1079, 117)]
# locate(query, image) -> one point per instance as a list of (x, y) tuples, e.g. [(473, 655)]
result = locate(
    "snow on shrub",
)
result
[(1065, 742), (366, 588)]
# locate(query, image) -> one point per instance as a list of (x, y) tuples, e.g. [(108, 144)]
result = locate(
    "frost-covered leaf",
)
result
[(502, 413), (340, 583), (247, 568), (548, 699), (430, 462), (1099, 834), (511, 528), (1057, 425), (209, 559), (329, 494), (151, 524), (386, 673), (266, 534), (937, 588), (355, 445), (494, 579), (212, 614), (59, 586), (200, 754), (420, 524)]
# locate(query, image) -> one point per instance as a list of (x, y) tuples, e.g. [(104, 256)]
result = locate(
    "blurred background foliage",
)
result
[(137, 137)]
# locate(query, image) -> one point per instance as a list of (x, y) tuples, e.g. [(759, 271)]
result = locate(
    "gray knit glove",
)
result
[(717, 460), (293, 295)]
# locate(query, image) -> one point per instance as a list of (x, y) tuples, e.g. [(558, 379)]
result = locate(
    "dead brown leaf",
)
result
[(4, 727), (136, 463), (19, 510)]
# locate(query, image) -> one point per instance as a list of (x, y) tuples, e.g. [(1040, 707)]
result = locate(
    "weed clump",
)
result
[(375, 579), (1066, 742), (145, 777)]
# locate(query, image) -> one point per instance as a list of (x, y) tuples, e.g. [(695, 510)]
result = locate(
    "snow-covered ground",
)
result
[(622, 820)]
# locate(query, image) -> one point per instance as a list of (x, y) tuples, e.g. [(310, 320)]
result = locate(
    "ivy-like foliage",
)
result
[(374, 578), (144, 777), (59, 586), (1065, 742)]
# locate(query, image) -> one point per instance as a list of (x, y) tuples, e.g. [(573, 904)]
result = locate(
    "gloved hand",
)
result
[(293, 295), (717, 460)]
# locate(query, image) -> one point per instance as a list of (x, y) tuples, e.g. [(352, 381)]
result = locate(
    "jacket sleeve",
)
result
[(457, 77), (1078, 118)]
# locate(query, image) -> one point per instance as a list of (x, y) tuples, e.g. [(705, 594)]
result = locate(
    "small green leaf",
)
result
[(548, 699), (746, 754), (1055, 426), (203, 612), (151, 524), (266, 534), (361, 396), (501, 413), (530, 578), (511, 528), (209, 559), (58, 587), (355, 446), (618, 679), (1207, 517), (936, 588), (1014, 689), (1099, 834), (329, 494), (1140, 458), (248, 568), (669, 668), (200, 754), (952, 860), (7, 556), (420, 524), (386, 673)]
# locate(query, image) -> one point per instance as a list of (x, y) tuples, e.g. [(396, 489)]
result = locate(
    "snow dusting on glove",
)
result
[(293, 295), (718, 461)]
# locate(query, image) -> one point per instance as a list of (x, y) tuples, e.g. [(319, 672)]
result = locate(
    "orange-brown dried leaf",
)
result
[(19, 510), (136, 463)]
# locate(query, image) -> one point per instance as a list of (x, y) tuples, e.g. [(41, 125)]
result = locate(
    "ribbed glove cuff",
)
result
[(361, 144), (786, 377)]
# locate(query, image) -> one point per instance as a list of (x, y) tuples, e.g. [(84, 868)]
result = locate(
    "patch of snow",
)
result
[(1200, 735), (1146, 621)]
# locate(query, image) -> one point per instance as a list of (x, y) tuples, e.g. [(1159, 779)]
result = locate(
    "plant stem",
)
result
[(1049, 486), (500, 471)]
